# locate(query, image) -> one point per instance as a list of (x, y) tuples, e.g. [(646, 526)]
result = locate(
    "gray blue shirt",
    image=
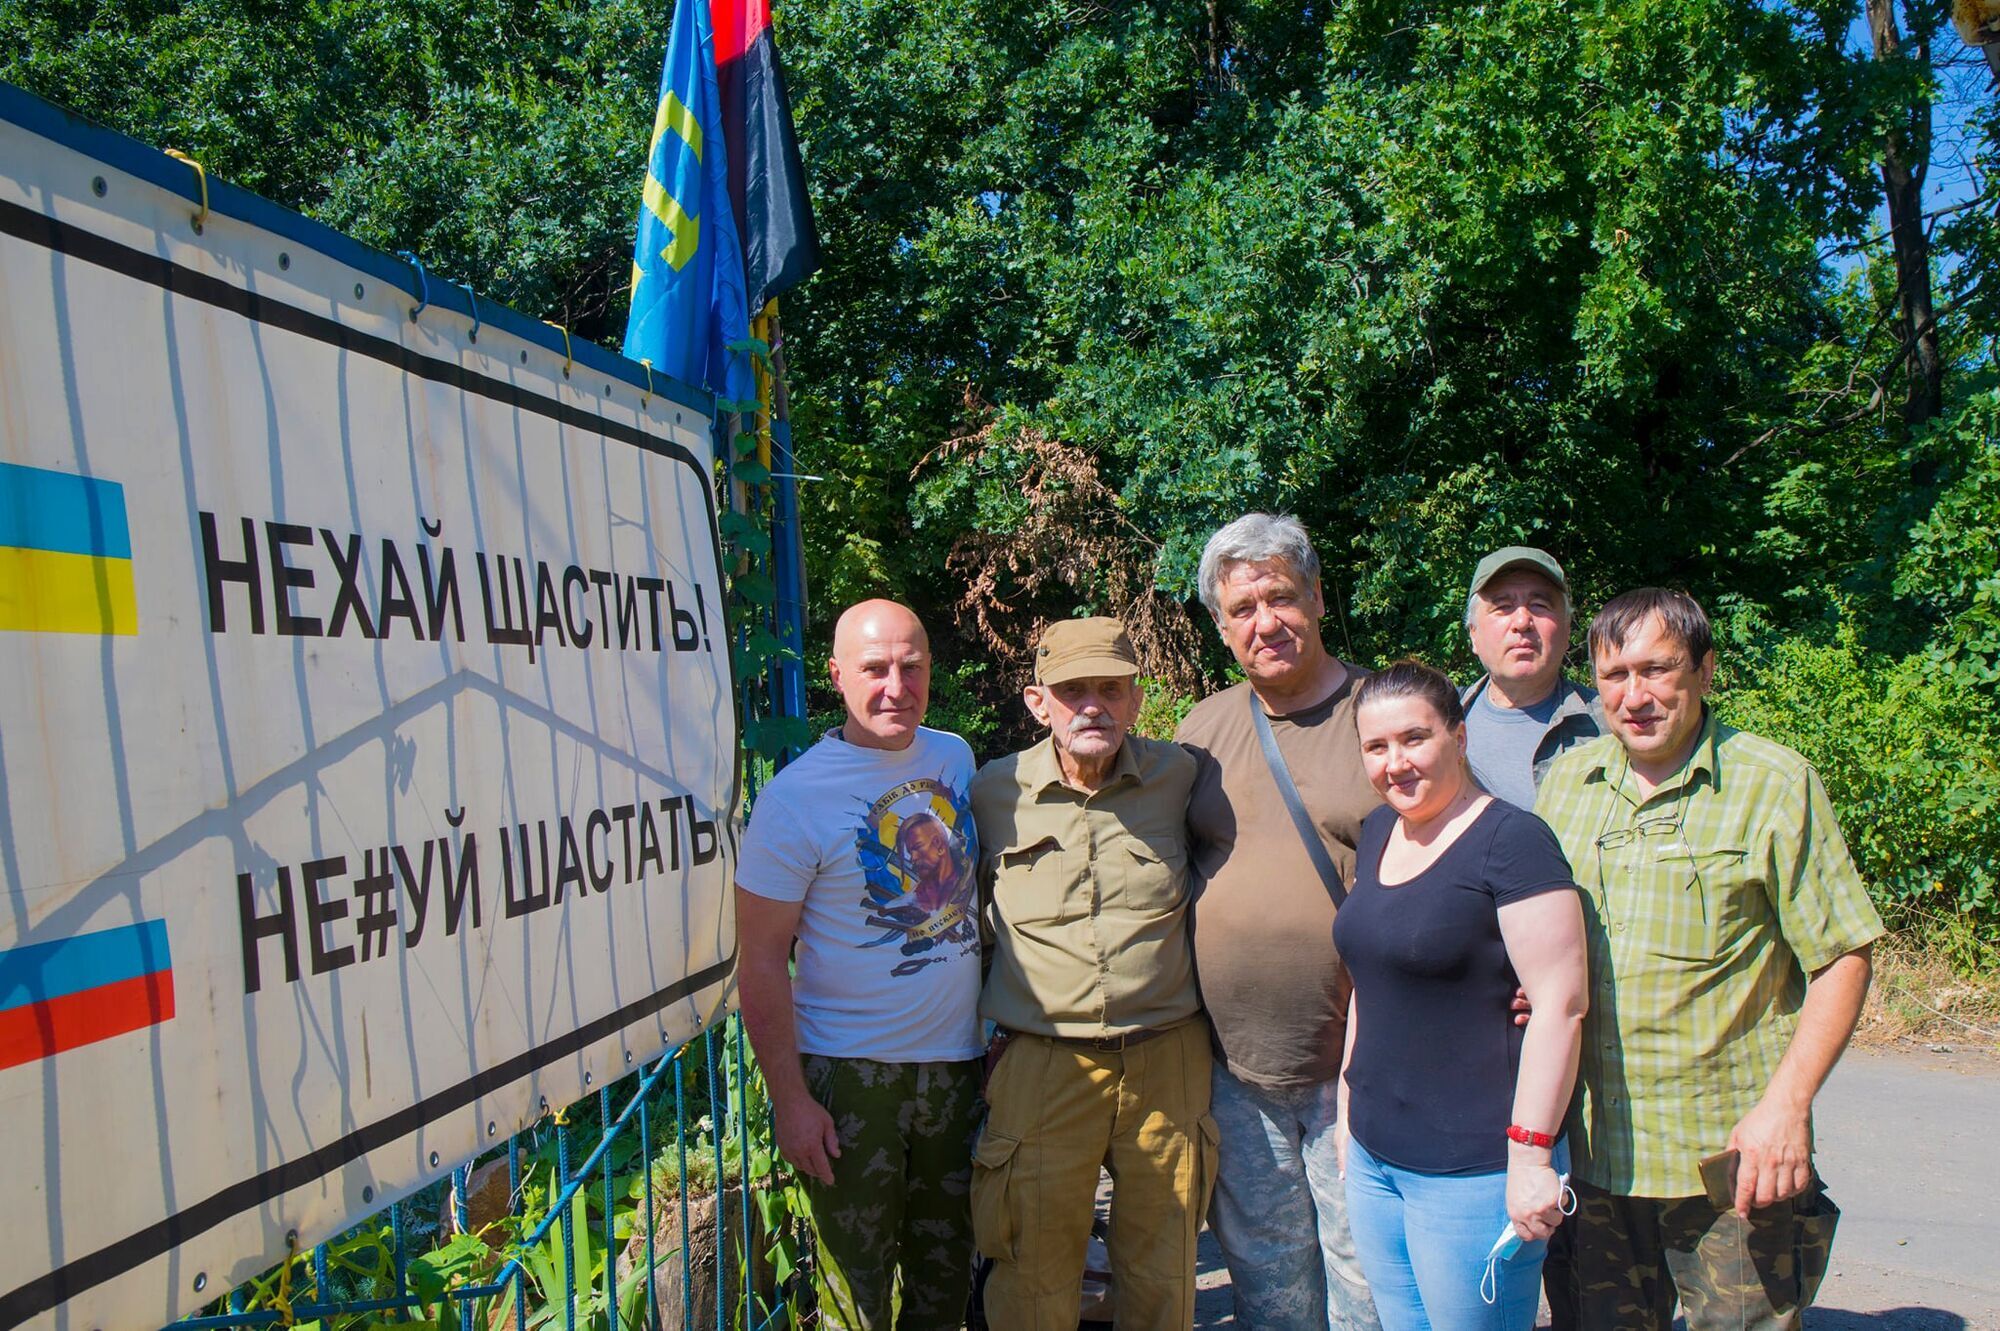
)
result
[(1511, 747), (1500, 743)]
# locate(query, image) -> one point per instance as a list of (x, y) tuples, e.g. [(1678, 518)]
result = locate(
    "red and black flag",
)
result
[(767, 183)]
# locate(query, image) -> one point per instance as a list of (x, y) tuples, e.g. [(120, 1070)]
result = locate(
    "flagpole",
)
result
[(774, 449)]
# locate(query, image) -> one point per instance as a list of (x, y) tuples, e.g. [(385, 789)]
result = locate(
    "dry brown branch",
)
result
[(1076, 547)]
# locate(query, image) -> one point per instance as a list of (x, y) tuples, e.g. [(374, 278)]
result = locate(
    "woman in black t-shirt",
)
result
[(1451, 1113)]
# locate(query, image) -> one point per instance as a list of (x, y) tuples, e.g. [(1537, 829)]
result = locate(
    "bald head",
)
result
[(866, 621), (881, 665)]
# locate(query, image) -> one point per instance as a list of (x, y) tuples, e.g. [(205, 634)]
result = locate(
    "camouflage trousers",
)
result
[(900, 1203), (1632, 1257)]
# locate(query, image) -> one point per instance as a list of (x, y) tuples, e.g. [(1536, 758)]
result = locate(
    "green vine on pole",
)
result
[(755, 647)]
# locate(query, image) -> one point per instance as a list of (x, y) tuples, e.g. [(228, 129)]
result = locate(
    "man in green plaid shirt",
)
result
[(1729, 956)]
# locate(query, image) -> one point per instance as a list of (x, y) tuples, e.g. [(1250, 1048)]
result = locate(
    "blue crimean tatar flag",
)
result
[(688, 302)]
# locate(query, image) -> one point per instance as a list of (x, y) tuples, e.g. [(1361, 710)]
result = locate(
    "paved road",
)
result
[(1910, 1146)]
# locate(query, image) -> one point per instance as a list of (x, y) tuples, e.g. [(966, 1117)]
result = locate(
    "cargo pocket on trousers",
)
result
[(992, 1195), (1211, 1166), (1814, 1218)]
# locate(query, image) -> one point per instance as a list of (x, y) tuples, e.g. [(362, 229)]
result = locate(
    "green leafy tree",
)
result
[(500, 141), (1950, 567), (1604, 277), (1432, 278)]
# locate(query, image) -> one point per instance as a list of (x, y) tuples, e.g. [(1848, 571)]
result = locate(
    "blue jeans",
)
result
[(1424, 1239), (1279, 1214)]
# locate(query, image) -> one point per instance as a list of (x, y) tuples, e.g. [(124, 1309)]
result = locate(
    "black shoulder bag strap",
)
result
[(1329, 876)]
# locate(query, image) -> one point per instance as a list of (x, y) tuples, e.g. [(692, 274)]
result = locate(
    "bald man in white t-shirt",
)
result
[(862, 853)]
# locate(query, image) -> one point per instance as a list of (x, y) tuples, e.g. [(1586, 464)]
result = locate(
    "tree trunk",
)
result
[(1905, 162)]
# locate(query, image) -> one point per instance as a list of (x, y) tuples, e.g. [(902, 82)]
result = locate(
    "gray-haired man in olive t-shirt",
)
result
[(1273, 985)]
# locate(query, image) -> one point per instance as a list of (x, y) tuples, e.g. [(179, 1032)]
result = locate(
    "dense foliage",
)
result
[(1908, 755), (501, 142), (1603, 275)]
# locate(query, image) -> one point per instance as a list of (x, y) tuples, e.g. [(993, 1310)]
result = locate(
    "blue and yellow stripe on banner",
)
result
[(65, 554)]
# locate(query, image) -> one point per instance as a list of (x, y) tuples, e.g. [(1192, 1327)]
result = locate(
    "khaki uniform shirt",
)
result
[(1085, 894), (1707, 904)]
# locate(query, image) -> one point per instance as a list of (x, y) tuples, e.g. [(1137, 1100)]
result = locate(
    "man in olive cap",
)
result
[(1522, 713), (1105, 1058)]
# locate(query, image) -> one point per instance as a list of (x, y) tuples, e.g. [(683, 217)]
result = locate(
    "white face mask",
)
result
[(1510, 1242)]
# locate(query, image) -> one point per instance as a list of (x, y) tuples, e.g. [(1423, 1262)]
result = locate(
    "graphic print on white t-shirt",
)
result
[(878, 848), (916, 848)]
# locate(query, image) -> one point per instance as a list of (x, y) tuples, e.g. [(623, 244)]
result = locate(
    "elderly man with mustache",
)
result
[(1104, 1055)]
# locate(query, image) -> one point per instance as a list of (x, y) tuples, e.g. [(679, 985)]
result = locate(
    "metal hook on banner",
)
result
[(472, 298), (423, 283), (568, 359), (645, 401), (201, 178)]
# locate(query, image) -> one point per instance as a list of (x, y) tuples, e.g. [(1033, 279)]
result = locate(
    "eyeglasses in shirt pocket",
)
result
[(1705, 901)]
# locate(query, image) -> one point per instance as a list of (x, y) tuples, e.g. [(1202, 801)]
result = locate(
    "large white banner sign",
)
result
[(367, 751)]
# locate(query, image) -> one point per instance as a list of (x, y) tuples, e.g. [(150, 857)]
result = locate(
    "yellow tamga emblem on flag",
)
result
[(65, 554)]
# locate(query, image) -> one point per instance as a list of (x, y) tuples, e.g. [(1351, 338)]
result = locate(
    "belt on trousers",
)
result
[(1103, 1044)]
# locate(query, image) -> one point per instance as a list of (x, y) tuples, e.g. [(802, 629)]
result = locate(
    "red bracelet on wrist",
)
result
[(1529, 1137)]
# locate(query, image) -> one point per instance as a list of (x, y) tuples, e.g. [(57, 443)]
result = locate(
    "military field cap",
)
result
[(1084, 649), (1518, 556)]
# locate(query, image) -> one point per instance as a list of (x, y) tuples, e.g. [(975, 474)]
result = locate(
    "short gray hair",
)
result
[(1252, 539)]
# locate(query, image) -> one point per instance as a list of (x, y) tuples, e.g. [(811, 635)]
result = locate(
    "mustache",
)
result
[(1080, 724)]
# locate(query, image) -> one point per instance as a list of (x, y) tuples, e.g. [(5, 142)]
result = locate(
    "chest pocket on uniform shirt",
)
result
[(1032, 883), (1706, 898), (1154, 872)]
